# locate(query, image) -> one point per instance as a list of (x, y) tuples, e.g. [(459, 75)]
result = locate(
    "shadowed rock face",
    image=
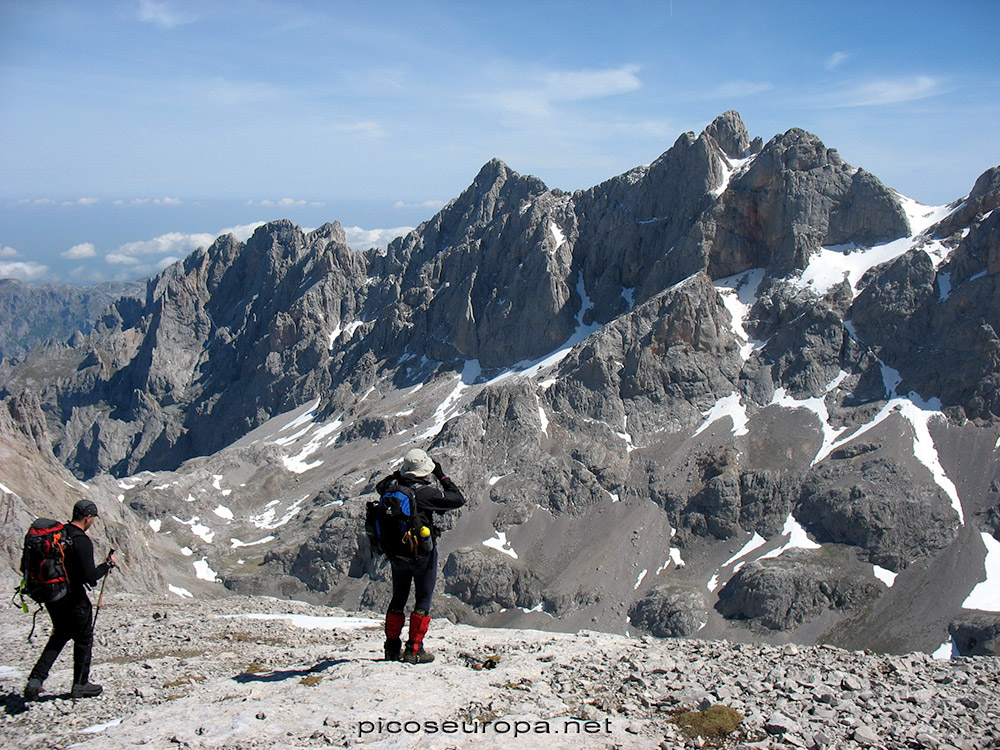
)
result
[(669, 612), (783, 592), (976, 635), (875, 504), (699, 393)]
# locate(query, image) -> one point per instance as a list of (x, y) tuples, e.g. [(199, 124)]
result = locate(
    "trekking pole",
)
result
[(100, 597)]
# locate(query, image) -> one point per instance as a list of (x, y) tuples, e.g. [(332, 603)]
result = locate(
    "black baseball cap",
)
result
[(84, 508)]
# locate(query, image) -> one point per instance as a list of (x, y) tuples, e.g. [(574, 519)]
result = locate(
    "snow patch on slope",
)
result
[(831, 265), (739, 295), (501, 544), (795, 538), (986, 594), (731, 406), (818, 407)]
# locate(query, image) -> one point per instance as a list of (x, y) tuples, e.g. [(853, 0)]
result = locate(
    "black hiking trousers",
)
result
[(421, 575), (72, 620)]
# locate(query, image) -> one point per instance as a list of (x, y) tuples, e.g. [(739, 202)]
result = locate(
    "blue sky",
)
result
[(132, 131)]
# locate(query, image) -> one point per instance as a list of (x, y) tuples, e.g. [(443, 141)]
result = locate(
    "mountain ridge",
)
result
[(740, 340)]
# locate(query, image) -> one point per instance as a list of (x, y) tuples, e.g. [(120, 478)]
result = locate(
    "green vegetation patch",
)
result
[(715, 722)]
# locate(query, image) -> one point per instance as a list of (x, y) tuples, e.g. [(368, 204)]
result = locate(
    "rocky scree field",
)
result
[(258, 672)]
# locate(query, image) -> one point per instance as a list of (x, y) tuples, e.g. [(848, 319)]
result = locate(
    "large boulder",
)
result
[(488, 581), (795, 587), (875, 502), (669, 612)]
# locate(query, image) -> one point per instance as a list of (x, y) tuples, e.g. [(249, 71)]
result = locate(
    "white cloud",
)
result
[(23, 270), (173, 243), (149, 202), (161, 14), (243, 232), (363, 128), (120, 259), (34, 202), (163, 263), (7, 252), (286, 203), (132, 268), (172, 246), (886, 91), (543, 91), (228, 93), (83, 250), (50, 202), (591, 84), (835, 60), (362, 239), (424, 204)]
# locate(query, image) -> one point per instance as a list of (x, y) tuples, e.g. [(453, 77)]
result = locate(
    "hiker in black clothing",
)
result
[(72, 616), (422, 574)]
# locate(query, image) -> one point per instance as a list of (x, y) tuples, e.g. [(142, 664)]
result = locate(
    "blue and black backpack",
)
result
[(395, 528)]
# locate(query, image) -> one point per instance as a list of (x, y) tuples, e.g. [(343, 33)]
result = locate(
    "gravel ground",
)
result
[(257, 672)]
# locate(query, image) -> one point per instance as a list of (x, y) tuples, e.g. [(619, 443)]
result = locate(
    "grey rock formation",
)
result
[(876, 504), (795, 196), (326, 558), (35, 484), (224, 339), (985, 197), (619, 415), (799, 585), (669, 612), (488, 580), (937, 325), (976, 635), (662, 363)]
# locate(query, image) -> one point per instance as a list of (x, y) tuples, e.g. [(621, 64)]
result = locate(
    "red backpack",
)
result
[(43, 561)]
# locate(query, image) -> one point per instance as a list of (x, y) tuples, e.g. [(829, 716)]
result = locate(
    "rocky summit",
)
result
[(744, 392)]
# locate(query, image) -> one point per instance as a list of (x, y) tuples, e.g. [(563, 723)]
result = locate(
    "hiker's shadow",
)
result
[(15, 704), (278, 675)]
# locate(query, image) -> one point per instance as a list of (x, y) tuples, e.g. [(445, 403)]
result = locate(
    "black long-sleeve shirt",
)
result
[(80, 568), (430, 499)]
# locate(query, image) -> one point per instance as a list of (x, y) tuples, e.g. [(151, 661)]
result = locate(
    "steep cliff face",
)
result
[(652, 392), (222, 341)]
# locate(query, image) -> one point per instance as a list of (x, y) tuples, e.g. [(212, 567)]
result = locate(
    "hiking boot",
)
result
[(418, 657), (87, 690), (393, 649), (32, 689)]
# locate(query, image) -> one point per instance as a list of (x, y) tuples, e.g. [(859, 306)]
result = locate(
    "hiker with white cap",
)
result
[(418, 570)]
